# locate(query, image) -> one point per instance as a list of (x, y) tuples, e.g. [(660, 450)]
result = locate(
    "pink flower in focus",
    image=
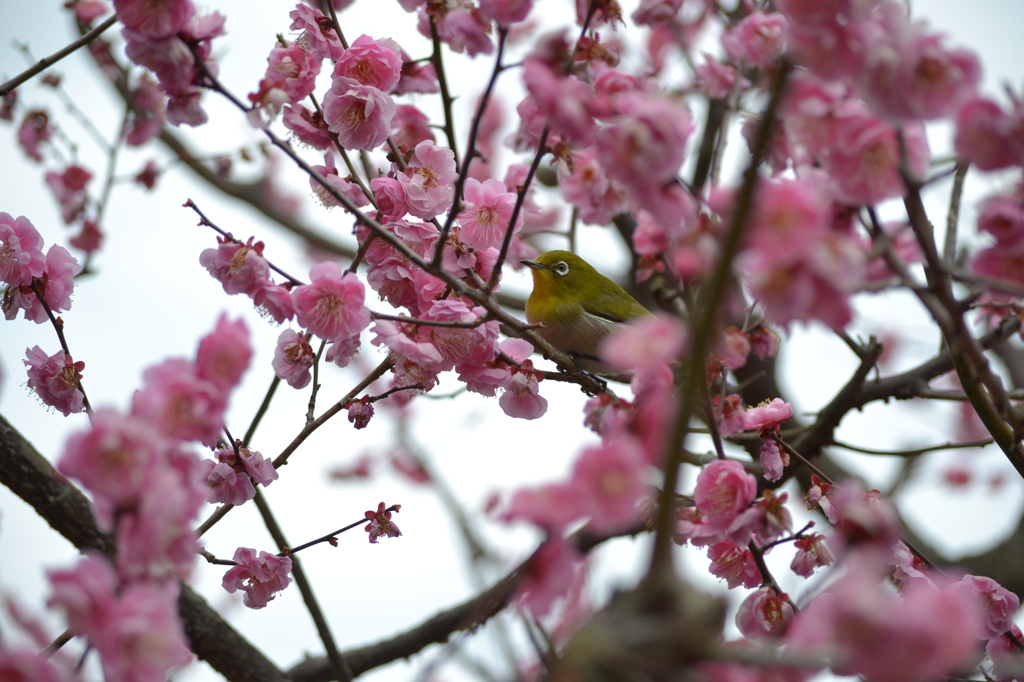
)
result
[(292, 71), (645, 343), (998, 604), (757, 40), (724, 491), (390, 195), (380, 524), (240, 268), (21, 255), (769, 416), (179, 403), (331, 305), (224, 354), (55, 379), (547, 576), (370, 63), (317, 32), (227, 484), (812, 552), (56, 284), (486, 211), (734, 565), (151, 19), (273, 301), (345, 186), (429, 180), (359, 114), (1005, 653), (400, 338), (359, 413), (773, 459), (607, 482), (764, 615), (293, 357), (731, 416), (260, 577), (307, 126), (522, 399)]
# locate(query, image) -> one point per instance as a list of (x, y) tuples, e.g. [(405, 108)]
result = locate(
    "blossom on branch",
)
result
[(260, 577)]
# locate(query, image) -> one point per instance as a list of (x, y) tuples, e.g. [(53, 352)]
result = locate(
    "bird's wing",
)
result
[(601, 306)]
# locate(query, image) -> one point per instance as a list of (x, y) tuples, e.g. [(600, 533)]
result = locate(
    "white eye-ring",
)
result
[(562, 268)]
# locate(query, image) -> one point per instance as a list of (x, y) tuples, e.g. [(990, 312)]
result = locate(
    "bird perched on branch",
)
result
[(577, 307)]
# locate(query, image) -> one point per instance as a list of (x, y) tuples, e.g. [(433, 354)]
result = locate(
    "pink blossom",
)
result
[(273, 301), (179, 403), (473, 345), (645, 343), (909, 74), (89, 239), (26, 665), (1000, 262), (402, 339), (925, 635), (149, 110), (240, 268), (293, 358), (154, 19), (864, 161), (769, 416), (224, 354), (292, 71), (331, 305), (227, 484), (547, 576), (1006, 656), (764, 615), (380, 524), (789, 216), (114, 458), (259, 467), (69, 189), (506, 12), (608, 484), (369, 62), (998, 604), (645, 145), (716, 79), (390, 195), (656, 12), (359, 413), (317, 33), (21, 256), (521, 398), (35, 129), (307, 126), (410, 126), (429, 180), (757, 40), (764, 522), (260, 577), (347, 187), (984, 135), (773, 459), (56, 286), (583, 183), (907, 567), (55, 379), (463, 29), (734, 565), (360, 115), (731, 415), (84, 593), (1003, 218), (724, 490), (812, 552), (861, 517), (142, 639), (486, 211), (342, 350), (551, 507), (563, 100)]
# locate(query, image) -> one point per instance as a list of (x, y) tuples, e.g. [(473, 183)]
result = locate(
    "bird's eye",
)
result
[(562, 268)]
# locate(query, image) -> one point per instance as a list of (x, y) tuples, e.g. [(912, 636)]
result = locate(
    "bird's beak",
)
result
[(536, 265)]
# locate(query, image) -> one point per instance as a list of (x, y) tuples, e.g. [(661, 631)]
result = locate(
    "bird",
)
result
[(576, 307)]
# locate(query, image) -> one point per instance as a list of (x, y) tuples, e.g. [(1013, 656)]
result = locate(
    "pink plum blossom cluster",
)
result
[(147, 488)]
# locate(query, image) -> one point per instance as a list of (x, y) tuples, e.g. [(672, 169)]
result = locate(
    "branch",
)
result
[(66, 509), (47, 62)]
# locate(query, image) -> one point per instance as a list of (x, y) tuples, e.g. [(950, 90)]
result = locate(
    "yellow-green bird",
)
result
[(577, 307)]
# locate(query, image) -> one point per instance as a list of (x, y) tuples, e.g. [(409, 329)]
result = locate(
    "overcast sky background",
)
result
[(153, 300)]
